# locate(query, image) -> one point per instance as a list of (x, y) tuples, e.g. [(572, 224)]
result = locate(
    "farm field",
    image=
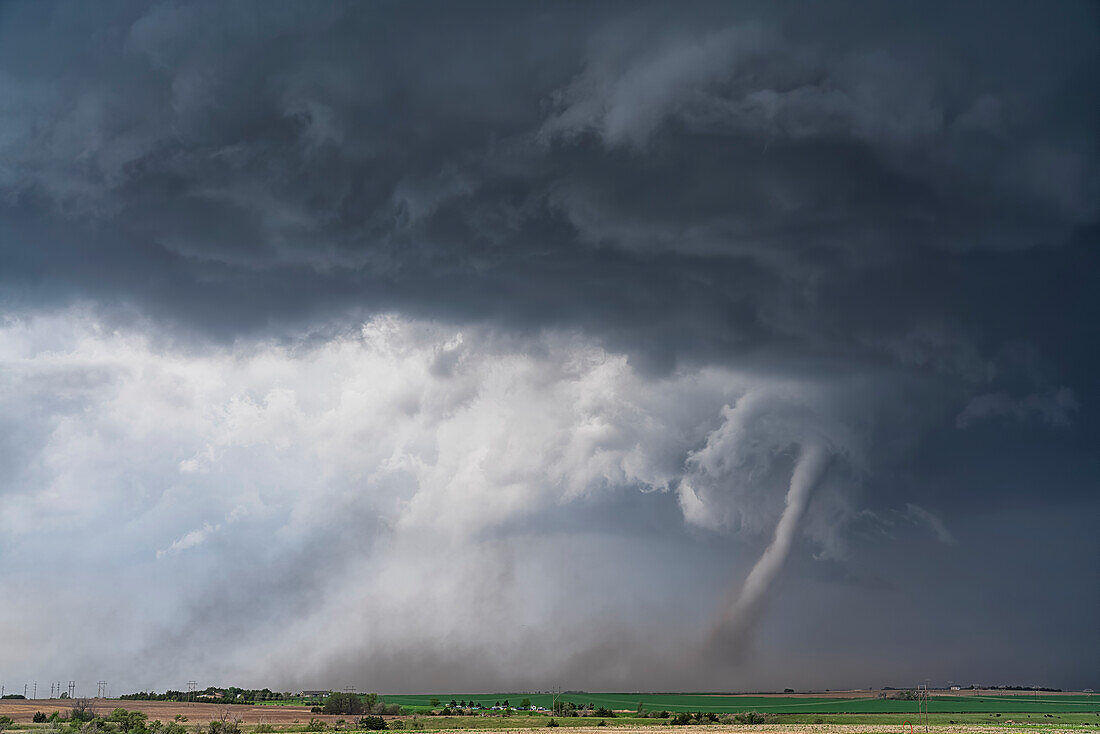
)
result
[(789, 714), (23, 711), (778, 704)]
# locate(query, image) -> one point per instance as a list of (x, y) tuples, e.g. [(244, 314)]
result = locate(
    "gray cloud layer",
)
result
[(597, 249)]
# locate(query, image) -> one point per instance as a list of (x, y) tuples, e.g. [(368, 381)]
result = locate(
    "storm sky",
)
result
[(489, 346)]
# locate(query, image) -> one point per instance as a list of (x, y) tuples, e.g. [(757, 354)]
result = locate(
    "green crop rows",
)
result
[(777, 704)]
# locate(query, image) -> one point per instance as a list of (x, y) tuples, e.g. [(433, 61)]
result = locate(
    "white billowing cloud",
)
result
[(747, 460), (266, 486), (189, 540)]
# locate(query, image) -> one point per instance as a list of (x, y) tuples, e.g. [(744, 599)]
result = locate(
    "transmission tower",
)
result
[(922, 704), (101, 690)]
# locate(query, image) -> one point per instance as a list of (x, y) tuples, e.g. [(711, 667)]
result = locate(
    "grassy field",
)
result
[(286, 720), (1036, 704)]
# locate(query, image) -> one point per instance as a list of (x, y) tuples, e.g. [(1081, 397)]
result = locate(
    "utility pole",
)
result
[(35, 694)]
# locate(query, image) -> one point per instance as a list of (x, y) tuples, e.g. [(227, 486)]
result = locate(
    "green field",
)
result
[(1040, 704)]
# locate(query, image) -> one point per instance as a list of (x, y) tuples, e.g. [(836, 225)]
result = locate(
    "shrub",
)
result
[(39, 717), (371, 723), (263, 729), (316, 725), (750, 717), (397, 724), (602, 723), (551, 722), (606, 712)]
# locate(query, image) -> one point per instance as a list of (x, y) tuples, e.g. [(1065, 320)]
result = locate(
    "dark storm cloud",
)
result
[(896, 202), (713, 178)]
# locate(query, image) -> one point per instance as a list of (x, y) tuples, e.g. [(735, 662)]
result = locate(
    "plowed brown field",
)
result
[(22, 711)]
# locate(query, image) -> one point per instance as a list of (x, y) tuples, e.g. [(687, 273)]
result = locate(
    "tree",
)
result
[(343, 703), (525, 703), (372, 723), (434, 702), (565, 708), (129, 722), (82, 710)]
